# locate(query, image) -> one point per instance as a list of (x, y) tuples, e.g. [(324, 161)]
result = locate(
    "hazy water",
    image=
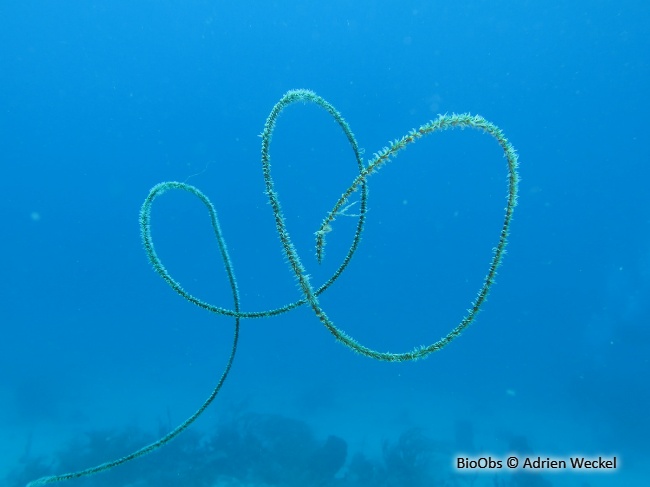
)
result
[(101, 101)]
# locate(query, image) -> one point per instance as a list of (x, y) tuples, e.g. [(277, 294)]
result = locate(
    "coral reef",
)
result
[(248, 450)]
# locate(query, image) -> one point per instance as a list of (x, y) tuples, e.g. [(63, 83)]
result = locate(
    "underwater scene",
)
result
[(329, 244)]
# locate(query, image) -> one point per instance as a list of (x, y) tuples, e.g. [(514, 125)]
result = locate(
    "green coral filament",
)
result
[(310, 294)]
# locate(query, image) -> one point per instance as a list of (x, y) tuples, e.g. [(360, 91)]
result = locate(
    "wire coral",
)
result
[(309, 292)]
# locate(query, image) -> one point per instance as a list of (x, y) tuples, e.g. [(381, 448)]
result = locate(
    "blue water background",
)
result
[(99, 101)]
